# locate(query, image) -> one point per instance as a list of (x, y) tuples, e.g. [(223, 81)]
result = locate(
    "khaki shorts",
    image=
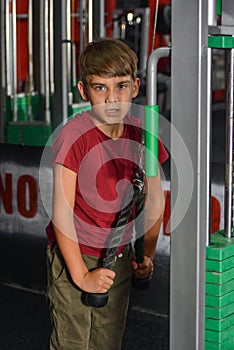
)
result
[(79, 327)]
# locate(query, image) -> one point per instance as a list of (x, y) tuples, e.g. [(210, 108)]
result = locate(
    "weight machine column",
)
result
[(189, 115)]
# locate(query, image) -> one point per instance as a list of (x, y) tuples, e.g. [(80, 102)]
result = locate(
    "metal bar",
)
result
[(144, 39), (8, 36), (30, 54), (229, 144), (152, 73), (46, 60), (30, 44), (82, 25), (73, 64), (102, 33), (207, 149), (64, 61), (90, 21), (14, 62), (51, 46), (69, 48), (2, 72), (42, 47), (212, 13)]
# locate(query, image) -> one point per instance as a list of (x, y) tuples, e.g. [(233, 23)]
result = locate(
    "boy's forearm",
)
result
[(154, 210), (70, 251), (151, 237)]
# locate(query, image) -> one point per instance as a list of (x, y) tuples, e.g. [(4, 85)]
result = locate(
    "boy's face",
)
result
[(110, 98)]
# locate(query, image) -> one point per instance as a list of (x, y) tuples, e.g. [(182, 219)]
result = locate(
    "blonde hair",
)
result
[(107, 58)]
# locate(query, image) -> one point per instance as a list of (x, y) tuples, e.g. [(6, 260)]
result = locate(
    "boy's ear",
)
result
[(83, 91), (136, 86)]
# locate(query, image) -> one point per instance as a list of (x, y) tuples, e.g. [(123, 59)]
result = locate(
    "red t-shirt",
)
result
[(105, 169)]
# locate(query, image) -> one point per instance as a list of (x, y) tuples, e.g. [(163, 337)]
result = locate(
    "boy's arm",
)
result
[(97, 281), (154, 209)]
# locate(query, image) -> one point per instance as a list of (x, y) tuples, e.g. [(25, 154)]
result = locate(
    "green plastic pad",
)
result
[(219, 277), (220, 247), (219, 337), (220, 301), (219, 325), (221, 42), (219, 312), (220, 266), (225, 345), (220, 289), (151, 140)]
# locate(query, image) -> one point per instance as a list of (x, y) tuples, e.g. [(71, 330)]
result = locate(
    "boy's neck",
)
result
[(114, 131)]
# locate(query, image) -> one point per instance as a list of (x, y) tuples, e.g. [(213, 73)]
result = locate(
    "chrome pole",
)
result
[(229, 144), (14, 61), (90, 21), (46, 60), (30, 55), (51, 46), (8, 38)]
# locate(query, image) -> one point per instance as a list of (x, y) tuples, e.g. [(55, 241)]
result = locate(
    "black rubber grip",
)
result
[(95, 299)]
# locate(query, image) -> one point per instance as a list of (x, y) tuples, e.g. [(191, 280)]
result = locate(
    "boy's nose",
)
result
[(111, 96)]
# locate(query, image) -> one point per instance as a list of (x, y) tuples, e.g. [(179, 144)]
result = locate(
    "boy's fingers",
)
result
[(134, 265), (109, 273)]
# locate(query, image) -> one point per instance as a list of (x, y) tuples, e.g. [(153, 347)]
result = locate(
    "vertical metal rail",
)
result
[(30, 63), (51, 45), (42, 47), (229, 143), (2, 71), (30, 45), (14, 61), (8, 36), (212, 21), (64, 60), (90, 21), (102, 32), (69, 53), (46, 62), (82, 24), (144, 39), (11, 67), (207, 149)]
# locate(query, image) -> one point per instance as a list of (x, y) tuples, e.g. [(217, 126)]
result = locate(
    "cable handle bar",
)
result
[(138, 198)]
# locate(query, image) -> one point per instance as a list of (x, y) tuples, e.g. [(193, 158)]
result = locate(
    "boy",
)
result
[(94, 160)]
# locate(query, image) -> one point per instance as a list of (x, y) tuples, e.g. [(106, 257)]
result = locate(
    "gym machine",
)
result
[(31, 109), (27, 111)]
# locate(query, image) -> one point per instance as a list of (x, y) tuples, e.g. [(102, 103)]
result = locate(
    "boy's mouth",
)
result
[(112, 111)]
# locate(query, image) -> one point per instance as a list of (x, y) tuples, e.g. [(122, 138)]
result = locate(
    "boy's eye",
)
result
[(99, 87), (122, 86)]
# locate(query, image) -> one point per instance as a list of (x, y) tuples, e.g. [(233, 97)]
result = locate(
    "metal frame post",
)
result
[(190, 107), (60, 64), (2, 74)]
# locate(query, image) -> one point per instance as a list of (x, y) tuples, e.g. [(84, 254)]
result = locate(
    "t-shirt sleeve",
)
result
[(162, 153), (66, 150)]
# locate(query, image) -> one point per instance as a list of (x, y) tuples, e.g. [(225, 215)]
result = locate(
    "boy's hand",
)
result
[(144, 269), (97, 281)]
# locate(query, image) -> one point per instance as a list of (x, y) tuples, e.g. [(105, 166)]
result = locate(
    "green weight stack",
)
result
[(219, 321), (27, 130)]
